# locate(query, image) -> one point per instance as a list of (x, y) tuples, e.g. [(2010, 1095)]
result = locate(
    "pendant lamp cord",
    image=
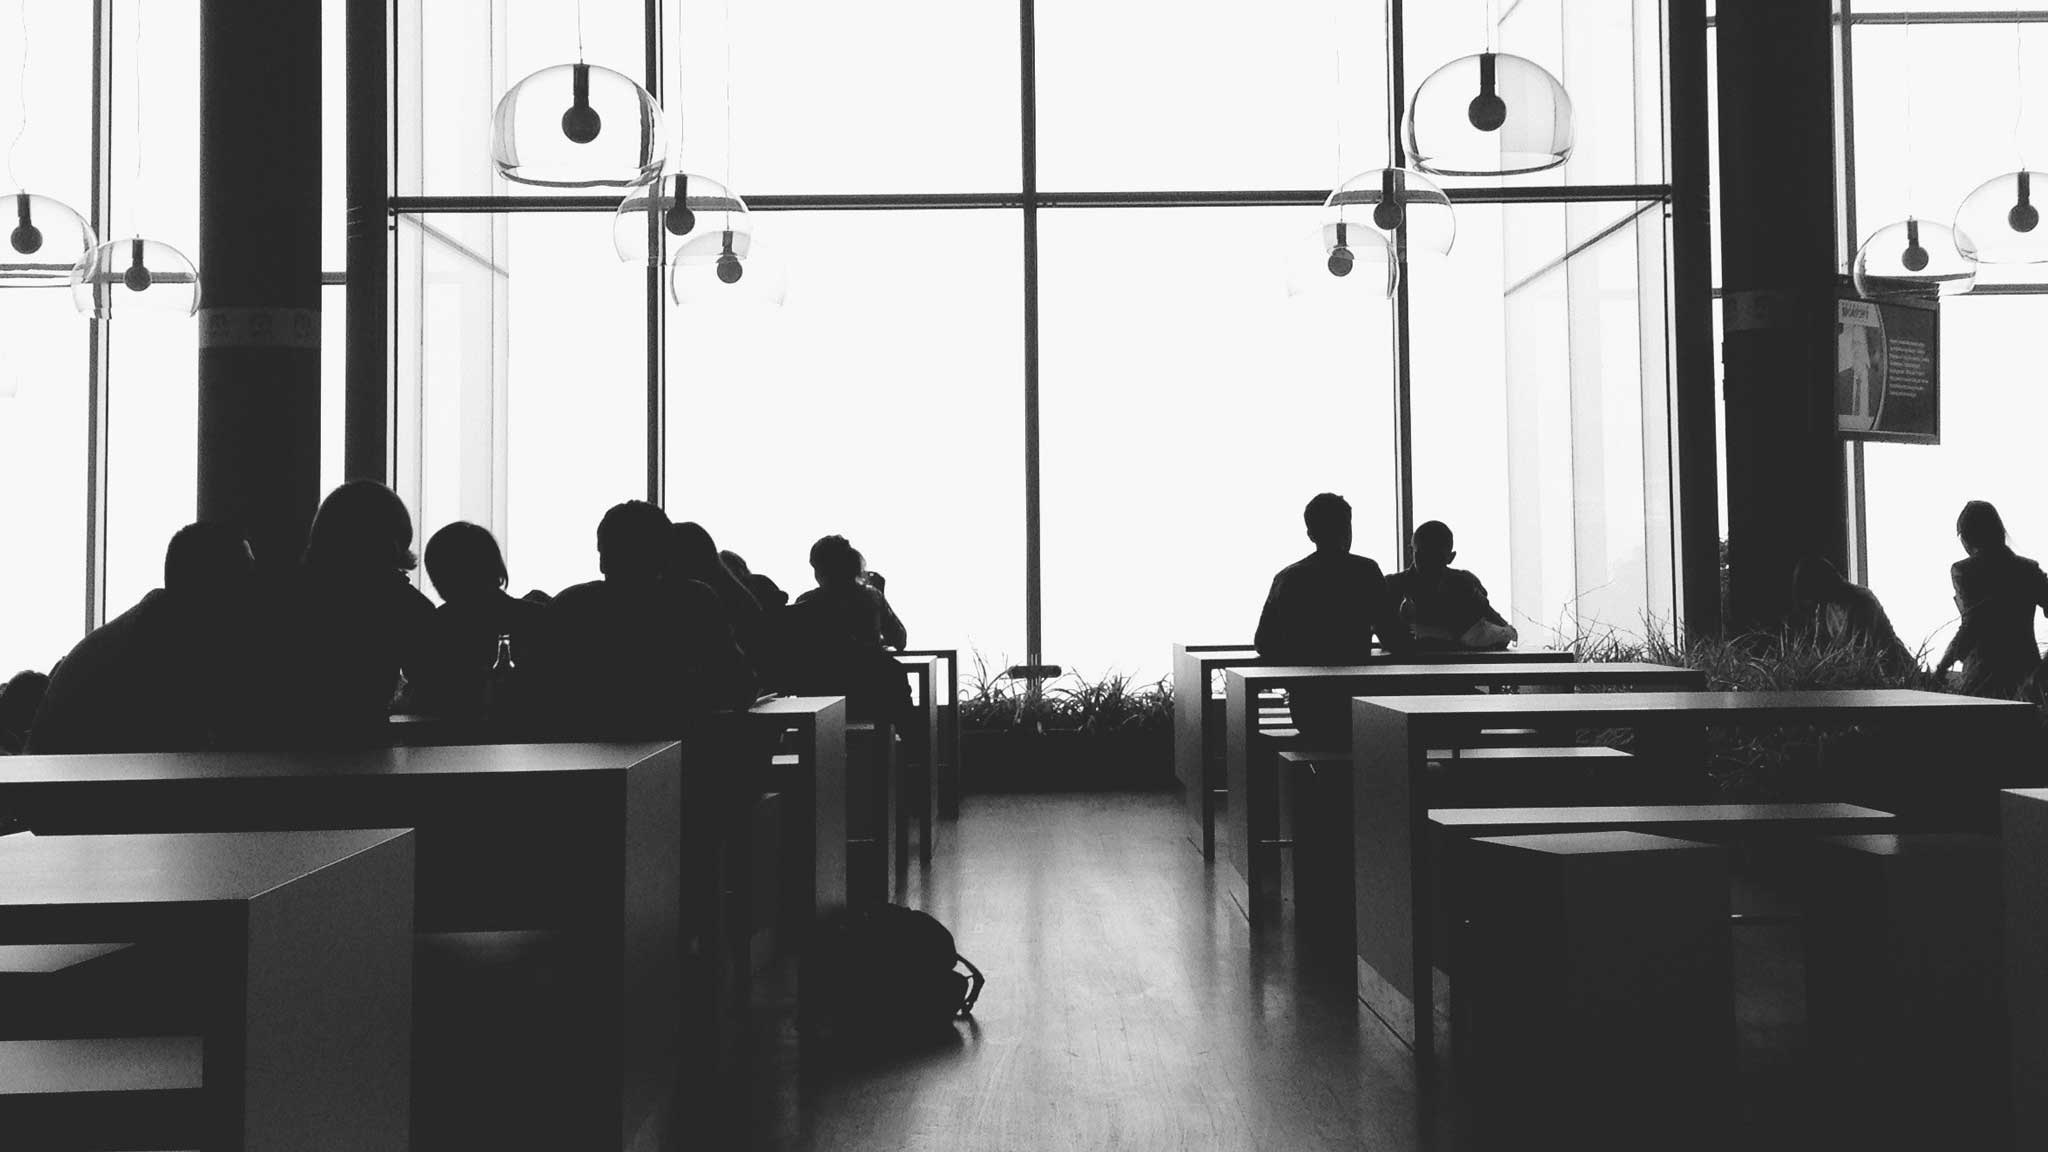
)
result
[(1337, 44), (1910, 173), (1492, 24), (135, 142), (2019, 84), (21, 121), (579, 31), (728, 97)]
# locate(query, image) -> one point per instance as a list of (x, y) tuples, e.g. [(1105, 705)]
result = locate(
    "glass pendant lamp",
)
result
[(1386, 199), (44, 239), (2001, 220), (577, 126), (1343, 258), (1489, 115), (655, 219), (135, 275), (1912, 258), (725, 266)]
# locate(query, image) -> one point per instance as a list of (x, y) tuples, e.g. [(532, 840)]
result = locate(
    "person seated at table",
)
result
[(1446, 607), (157, 677), (1835, 612), (461, 677), (348, 626), (1325, 609), (837, 636), (767, 593), (633, 653), (695, 557), (20, 697), (1997, 592)]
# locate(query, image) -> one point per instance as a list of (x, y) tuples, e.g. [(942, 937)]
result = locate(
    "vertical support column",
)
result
[(259, 253), (368, 417), (1034, 612), (1778, 263), (1404, 411), (1695, 453)]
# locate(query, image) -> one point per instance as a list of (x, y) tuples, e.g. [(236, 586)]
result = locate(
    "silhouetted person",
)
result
[(1997, 593), (695, 557), (159, 676), (837, 635), (1325, 609), (1840, 613), (20, 698), (767, 593), (633, 653), (468, 572), (348, 625), (857, 604), (1446, 607)]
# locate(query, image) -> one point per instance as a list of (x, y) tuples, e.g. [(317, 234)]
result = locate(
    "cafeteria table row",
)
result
[(442, 945)]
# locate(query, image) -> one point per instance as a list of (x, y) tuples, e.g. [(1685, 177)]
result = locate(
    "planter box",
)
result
[(1021, 761)]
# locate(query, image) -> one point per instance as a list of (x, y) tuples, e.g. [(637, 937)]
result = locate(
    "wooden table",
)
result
[(814, 864), (921, 781), (1392, 734), (1251, 809), (1198, 718), (305, 946), (948, 755), (581, 840)]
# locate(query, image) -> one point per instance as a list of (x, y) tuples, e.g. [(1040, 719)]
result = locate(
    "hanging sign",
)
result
[(1887, 380)]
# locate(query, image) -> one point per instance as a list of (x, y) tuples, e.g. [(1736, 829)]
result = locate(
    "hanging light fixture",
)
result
[(1391, 199), (1344, 258), (45, 237), (1489, 115), (653, 219), (1914, 257), (725, 266), (2001, 220), (136, 274), (577, 126)]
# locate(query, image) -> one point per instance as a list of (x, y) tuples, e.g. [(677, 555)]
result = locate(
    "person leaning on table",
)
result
[(1997, 592)]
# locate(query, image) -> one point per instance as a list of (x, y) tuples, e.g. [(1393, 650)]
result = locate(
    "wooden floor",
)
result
[(1126, 1009), (1129, 1007)]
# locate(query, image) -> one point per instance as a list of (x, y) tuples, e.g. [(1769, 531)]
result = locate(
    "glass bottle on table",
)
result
[(498, 684)]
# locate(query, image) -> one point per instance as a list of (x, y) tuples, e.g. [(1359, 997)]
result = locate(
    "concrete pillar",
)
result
[(1778, 268), (259, 259)]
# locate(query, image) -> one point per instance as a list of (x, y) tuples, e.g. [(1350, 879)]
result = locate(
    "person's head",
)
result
[(464, 563), (1814, 579), (1433, 545), (735, 564), (1328, 517), (1980, 528), (694, 556), (361, 525), (834, 561), (208, 560), (633, 541)]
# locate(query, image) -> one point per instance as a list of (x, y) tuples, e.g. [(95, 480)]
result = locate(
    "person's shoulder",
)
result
[(1363, 565), (808, 596), (578, 596)]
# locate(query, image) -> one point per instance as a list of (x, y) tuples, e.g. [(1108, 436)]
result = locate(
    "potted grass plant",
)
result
[(1073, 733)]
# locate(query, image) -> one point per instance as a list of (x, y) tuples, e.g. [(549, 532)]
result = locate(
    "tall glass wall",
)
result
[(1943, 99)]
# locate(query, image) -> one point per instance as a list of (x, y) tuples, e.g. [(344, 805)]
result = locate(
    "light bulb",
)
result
[(729, 268), (1341, 260), (679, 220), (26, 238), (1488, 111), (137, 277), (1914, 258), (581, 123), (2024, 217)]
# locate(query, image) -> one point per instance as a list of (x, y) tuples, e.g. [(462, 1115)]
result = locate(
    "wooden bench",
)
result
[(103, 1092), (1905, 991), (1599, 1014)]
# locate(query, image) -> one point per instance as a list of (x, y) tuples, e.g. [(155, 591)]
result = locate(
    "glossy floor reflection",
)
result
[(1126, 1008)]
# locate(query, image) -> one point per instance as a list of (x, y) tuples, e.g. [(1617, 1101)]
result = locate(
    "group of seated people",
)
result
[(324, 653), (1328, 608)]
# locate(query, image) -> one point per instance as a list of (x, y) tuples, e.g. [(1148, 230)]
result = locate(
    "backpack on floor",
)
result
[(887, 967)]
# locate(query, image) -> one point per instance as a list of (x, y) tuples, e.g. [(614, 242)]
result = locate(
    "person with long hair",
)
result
[(696, 557), (1997, 592), (468, 572)]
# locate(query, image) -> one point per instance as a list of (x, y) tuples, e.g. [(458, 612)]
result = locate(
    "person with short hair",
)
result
[(1446, 607), (158, 677), (633, 652), (837, 636), (1325, 609), (1997, 592), (468, 572)]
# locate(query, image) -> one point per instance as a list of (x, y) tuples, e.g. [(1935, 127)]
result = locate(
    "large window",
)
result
[(1938, 108)]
